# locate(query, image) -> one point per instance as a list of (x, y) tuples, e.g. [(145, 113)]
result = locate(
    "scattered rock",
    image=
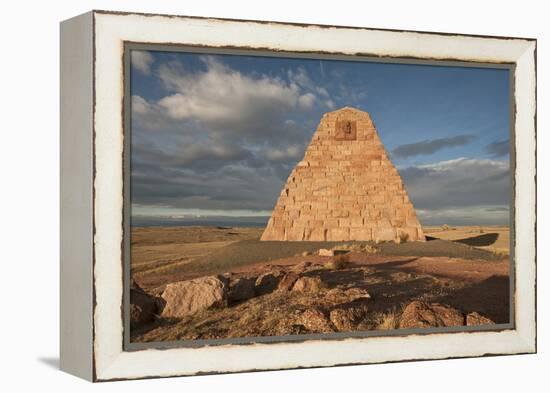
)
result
[(475, 319), (143, 307), (308, 284), (241, 288), (419, 314), (288, 281), (323, 252), (357, 293), (346, 319), (314, 320), (267, 282), (369, 249), (339, 295), (134, 285), (340, 251), (302, 266), (306, 253), (188, 297)]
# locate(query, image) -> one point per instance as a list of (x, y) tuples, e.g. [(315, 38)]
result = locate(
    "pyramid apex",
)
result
[(349, 109)]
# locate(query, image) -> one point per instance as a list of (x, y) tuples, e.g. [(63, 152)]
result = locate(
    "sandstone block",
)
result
[(360, 234), (338, 234), (384, 234), (188, 297)]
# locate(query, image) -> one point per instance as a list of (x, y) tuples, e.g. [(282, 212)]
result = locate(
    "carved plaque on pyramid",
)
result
[(345, 188), (346, 130)]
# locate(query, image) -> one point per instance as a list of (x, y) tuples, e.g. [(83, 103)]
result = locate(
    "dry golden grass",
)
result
[(165, 249), (388, 320)]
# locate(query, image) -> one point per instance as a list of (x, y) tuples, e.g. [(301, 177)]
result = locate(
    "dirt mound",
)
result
[(281, 299)]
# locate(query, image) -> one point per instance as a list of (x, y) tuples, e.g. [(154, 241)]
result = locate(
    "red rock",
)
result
[(143, 307), (267, 282), (301, 267), (475, 319), (189, 297), (308, 284), (419, 314), (241, 288), (314, 320), (288, 281)]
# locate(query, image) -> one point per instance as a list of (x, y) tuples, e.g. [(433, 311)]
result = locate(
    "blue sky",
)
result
[(219, 134)]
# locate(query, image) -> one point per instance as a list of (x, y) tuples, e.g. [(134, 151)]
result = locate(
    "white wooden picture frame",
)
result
[(93, 181)]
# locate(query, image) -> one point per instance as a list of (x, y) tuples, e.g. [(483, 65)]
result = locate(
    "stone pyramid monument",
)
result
[(345, 188)]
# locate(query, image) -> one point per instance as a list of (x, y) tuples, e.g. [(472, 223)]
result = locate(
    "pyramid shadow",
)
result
[(490, 297), (479, 241)]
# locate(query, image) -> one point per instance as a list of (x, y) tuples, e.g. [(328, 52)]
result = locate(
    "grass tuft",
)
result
[(388, 320), (338, 262)]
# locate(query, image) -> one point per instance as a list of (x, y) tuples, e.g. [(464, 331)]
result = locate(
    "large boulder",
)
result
[(308, 284), (143, 307), (419, 314), (185, 298), (241, 288), (267, 282), (475, 319)]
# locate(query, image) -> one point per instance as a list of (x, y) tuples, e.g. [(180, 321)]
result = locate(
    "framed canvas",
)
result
[(246, 195)]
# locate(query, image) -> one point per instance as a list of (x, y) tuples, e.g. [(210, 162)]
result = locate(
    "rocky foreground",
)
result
[(354, 290)]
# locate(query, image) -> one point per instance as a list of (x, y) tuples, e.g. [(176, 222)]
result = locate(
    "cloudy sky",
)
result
[(217, 135)]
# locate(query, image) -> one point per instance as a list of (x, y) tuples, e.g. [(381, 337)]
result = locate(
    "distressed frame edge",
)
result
[(528, 339), (76, 196), (304, 24)]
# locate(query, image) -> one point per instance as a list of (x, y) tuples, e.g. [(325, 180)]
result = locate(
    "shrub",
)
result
[(402, 237), (370, 249), (338, 262)]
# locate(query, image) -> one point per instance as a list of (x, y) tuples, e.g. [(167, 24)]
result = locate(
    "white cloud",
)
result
[(142, 61), (330, 104), (322, 91), (306, 101), (140, 106), (223, 98), (301, 78), (291, 152)]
